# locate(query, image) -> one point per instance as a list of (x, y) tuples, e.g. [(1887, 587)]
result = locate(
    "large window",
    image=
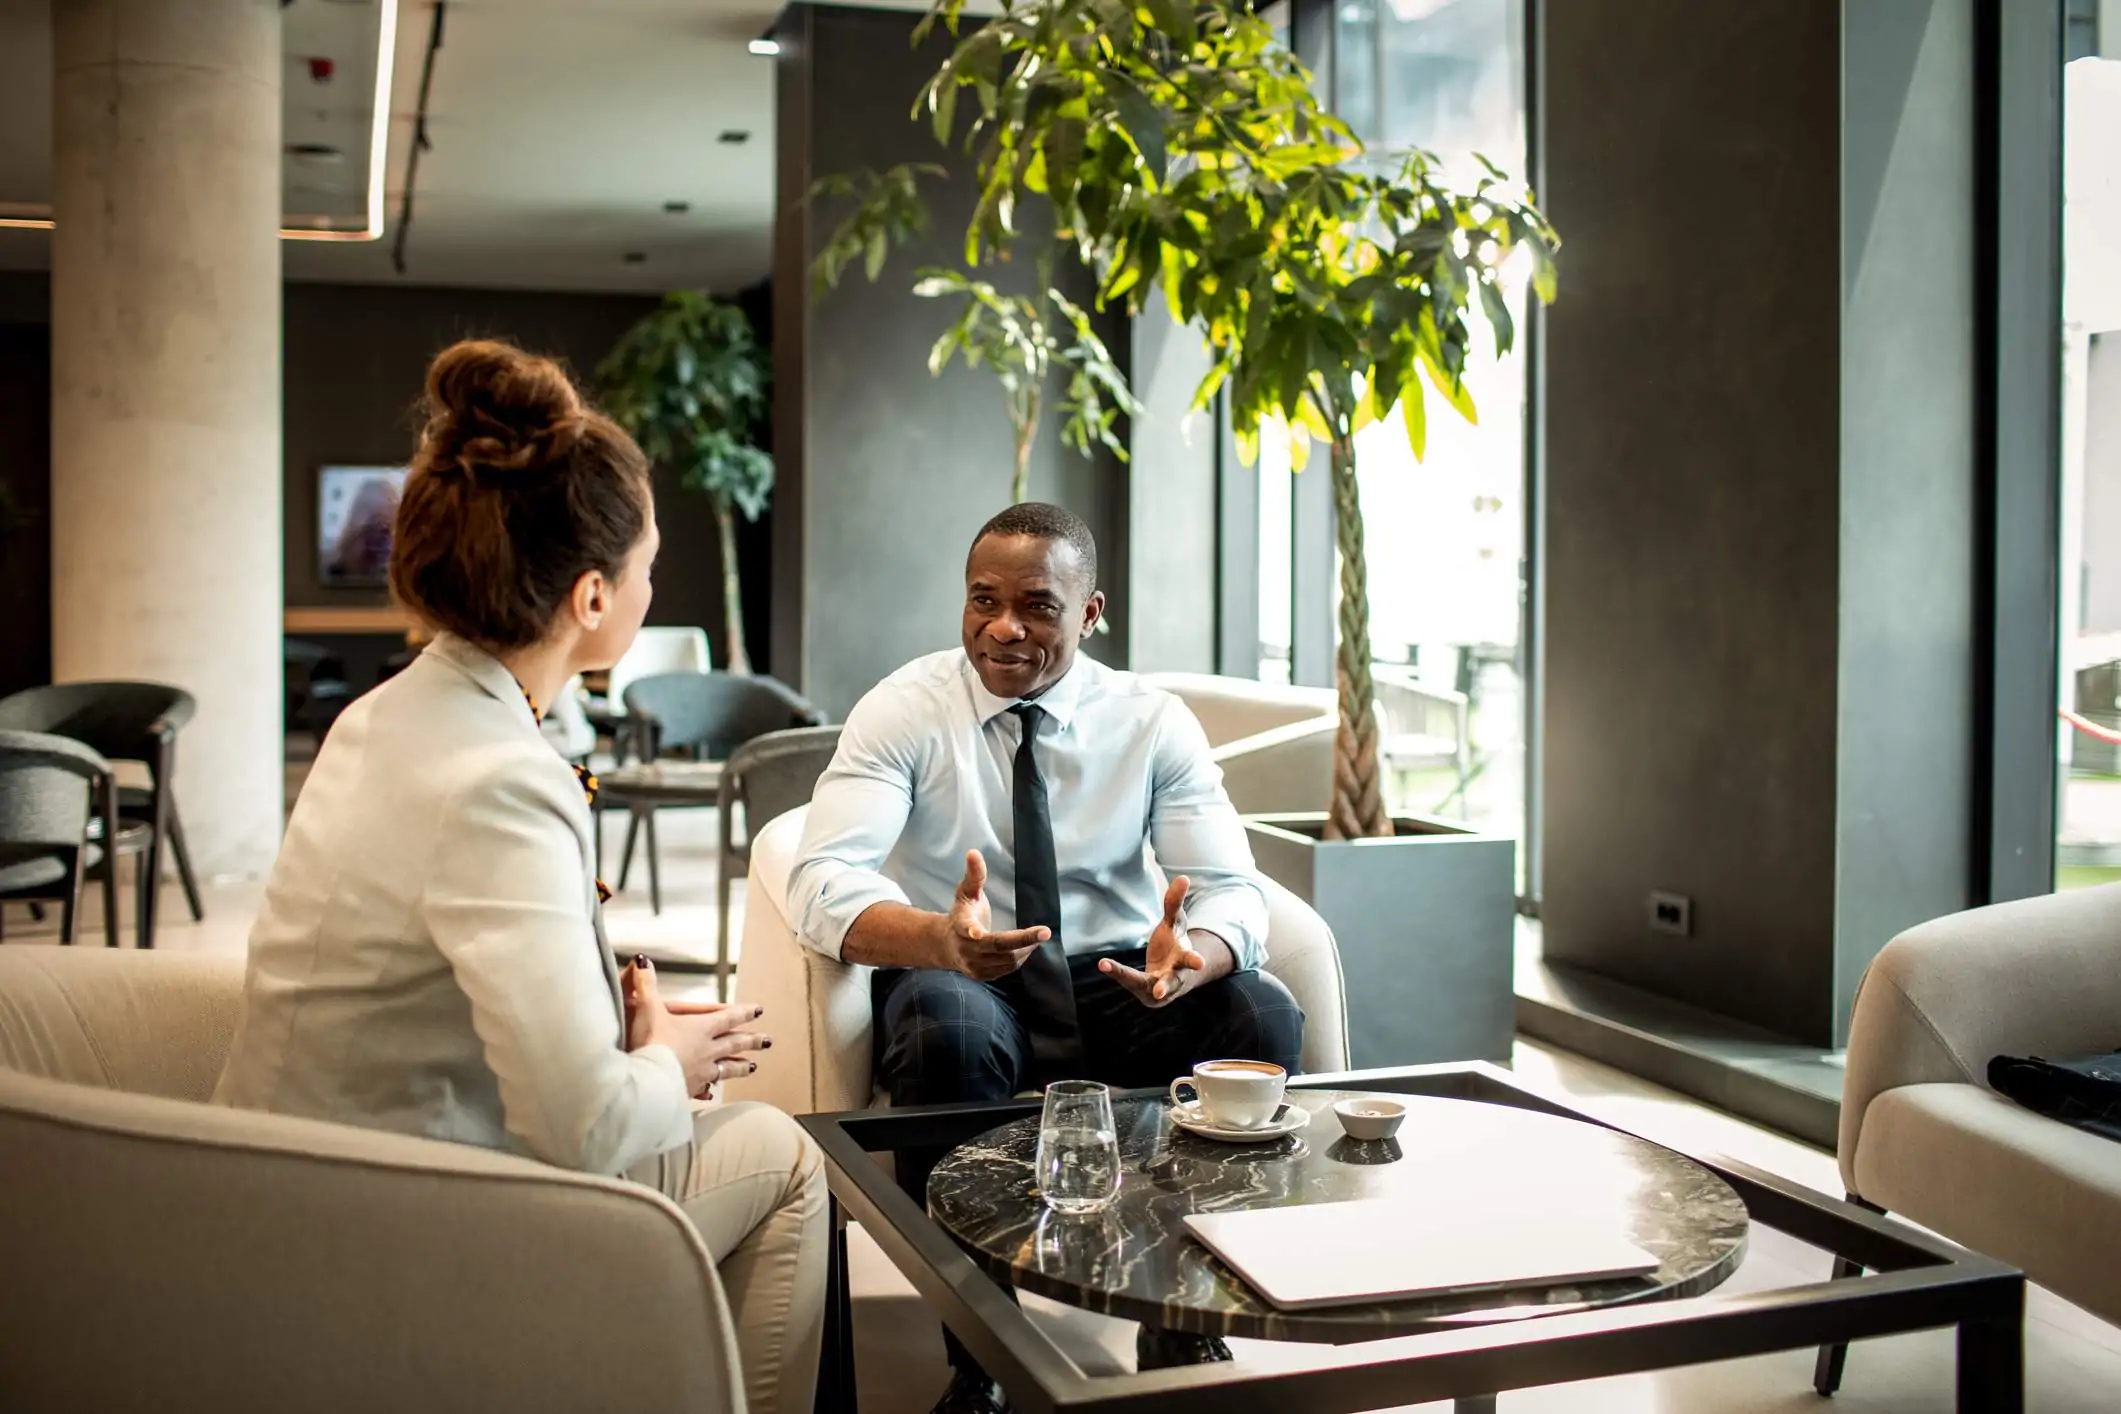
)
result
[(1446, 543), (2089, 848)]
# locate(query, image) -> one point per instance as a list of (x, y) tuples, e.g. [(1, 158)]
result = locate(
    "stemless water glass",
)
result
[(1078, 1148)]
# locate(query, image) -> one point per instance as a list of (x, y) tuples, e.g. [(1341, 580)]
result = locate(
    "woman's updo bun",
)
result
[(517, 490)]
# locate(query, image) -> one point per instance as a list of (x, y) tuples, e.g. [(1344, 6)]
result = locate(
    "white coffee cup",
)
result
[(1242, 1094)]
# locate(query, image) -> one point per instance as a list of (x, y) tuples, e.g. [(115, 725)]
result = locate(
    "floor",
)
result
[(1792, 1088), (2073, 1359)]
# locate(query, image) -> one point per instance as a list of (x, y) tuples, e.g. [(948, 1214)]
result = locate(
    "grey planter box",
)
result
[(1425, 923)]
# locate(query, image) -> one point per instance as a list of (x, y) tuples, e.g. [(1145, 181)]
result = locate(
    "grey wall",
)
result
[(1691, 498), (355, 361), (1908, 470), (1758, 475), (886, 472)]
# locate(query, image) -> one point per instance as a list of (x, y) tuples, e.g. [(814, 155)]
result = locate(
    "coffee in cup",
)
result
[(1241, 1094)]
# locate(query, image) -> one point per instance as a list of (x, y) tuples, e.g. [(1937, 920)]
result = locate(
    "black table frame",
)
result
[(1917, 1282)]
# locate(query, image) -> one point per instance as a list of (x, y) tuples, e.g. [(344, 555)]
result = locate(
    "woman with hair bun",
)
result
[(430, 956)]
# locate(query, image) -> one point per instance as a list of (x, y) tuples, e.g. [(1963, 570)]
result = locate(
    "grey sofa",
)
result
[(1923, 1136), (166, 1253)]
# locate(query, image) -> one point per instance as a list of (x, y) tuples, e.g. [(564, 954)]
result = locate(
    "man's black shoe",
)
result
[(1166, 1350), (971, 1392)]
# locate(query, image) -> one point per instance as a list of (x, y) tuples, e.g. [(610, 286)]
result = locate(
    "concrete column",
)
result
[(166, 385)]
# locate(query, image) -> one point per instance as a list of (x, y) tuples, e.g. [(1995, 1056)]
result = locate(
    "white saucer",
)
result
[(1189, 1118)]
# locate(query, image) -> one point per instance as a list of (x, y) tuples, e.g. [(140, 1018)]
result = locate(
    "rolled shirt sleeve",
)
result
[(505, 904), (1195, 831), (856, 816)]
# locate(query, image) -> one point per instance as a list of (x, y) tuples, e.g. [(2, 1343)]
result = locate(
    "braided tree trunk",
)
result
[(1358, 809), (732, 587), (1023, 422)]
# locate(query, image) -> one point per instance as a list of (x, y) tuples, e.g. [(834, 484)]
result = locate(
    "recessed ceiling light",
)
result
[(635, 257), (765, 48), (734, 136), (677, 208)]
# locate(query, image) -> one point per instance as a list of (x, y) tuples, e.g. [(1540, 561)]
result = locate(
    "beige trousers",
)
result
[(754, 1186)]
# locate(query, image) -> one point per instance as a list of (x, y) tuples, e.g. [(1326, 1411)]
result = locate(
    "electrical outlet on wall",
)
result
[(1671, 913)]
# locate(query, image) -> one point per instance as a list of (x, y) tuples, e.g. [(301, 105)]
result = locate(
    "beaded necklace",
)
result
[(581, 773)]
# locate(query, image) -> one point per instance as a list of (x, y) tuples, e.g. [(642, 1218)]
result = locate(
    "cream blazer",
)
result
[(430, 956)]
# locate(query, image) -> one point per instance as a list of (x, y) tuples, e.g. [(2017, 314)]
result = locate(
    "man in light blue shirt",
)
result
[(983, 838)]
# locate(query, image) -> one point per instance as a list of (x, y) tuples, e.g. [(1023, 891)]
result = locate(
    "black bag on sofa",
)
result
[(2085, 1092)]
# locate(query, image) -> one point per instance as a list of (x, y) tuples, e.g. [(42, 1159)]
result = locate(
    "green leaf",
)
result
[(1454, 392), (1064, 156), (1210, 384), (943, 105), (1174, 18), (1299, 448), (1543, 273), (1415, 416), (1498, 312)]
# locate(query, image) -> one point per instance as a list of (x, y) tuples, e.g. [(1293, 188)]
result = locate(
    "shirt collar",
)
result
[(481, 667), (1058, 701)]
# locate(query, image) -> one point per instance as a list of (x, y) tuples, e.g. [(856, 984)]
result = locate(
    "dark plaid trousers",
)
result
[(942, 1037)]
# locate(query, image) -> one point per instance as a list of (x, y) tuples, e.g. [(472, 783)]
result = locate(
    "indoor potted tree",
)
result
[(688, 382), (1179, 148)]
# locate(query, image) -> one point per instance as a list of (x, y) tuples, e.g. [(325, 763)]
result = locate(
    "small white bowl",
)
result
[(1368, 1117)]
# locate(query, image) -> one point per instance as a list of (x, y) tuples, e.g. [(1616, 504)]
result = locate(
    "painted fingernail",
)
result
[(765, 1045), (640, 959)]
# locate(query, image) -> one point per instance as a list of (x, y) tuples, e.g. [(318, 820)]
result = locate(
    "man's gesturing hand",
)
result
[(970, 944), (1172, 967)]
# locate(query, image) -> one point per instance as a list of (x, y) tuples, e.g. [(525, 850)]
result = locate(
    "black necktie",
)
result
[(1047, 990)]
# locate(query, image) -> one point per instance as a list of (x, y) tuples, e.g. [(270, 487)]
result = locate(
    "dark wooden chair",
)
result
[(704, 716), (767, 776), (125, 721), (51, 790)]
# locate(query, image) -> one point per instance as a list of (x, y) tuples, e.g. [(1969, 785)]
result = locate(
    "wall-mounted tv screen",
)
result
[(356, 506)]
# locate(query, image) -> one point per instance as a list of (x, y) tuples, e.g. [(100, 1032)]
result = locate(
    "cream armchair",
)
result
[(1923, 1135), (819, 1010), (166, 1253), (1274, 743)]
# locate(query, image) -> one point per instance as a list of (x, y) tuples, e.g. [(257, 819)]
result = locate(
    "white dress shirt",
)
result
[(429, 957), (924, 773)]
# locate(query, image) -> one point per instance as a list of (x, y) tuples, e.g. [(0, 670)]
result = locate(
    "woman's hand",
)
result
[(708, 1038)]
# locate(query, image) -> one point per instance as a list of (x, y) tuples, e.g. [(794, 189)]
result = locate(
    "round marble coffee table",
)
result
[(1135, 1260)]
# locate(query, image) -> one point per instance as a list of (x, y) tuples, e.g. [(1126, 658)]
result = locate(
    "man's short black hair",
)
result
[(1046, 522)]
